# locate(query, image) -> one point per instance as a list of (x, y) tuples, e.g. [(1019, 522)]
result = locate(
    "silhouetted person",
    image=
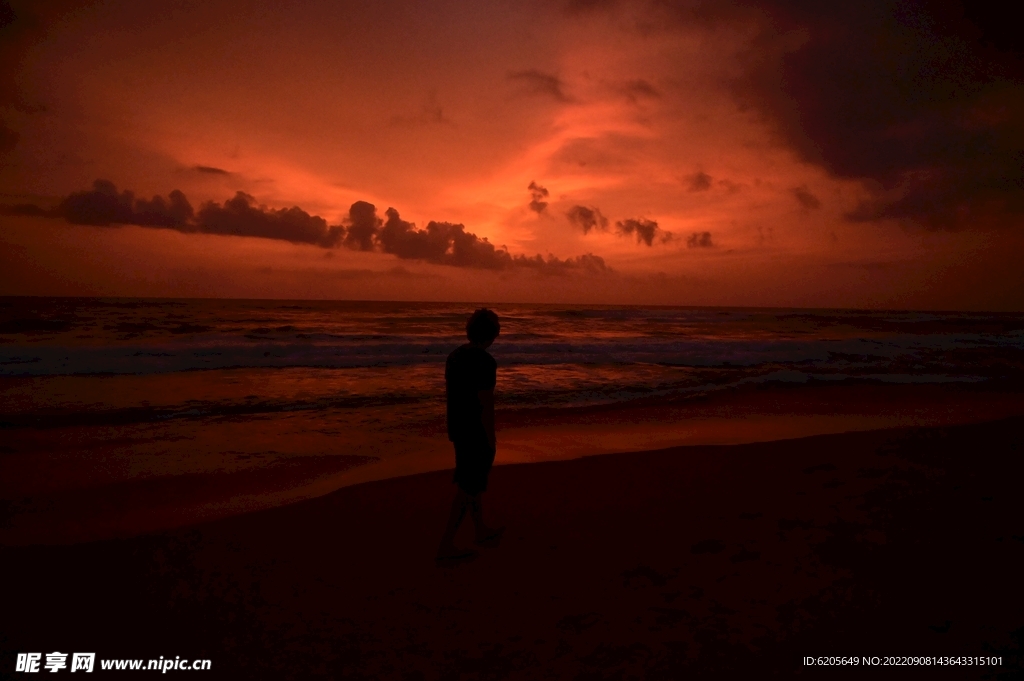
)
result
[(470, 375)]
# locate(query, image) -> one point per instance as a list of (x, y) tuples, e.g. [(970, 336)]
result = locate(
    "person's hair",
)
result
[(483, 326)]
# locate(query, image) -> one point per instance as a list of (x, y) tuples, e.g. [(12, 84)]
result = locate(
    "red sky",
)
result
[(845, 157)]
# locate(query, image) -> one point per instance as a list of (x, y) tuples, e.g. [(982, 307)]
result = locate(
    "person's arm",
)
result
[(486, 398)]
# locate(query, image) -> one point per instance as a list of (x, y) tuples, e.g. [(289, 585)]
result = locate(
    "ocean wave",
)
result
[(571, 389), (379, 351)]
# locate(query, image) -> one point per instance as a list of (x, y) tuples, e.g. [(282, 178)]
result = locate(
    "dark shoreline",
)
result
[(706, 561)]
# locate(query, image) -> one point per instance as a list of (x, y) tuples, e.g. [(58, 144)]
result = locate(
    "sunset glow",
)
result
[(727, 155)]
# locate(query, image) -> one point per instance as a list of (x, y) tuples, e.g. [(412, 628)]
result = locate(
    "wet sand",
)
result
[(84, 483), (709, 561)]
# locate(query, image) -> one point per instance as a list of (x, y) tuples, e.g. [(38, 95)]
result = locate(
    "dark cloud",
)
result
[(241, 216), (7, 15), (590, 263), (645, 230), (26, 209), (210, 170), (537, 196), (700, 182), (103, 206), (175, 211), (22, 27), (922, 100), (363, 224), (445, 243), (805, 198), (13, 46), (536, 82), (440, 243), (587, 219), (990, 18), (699, 240)]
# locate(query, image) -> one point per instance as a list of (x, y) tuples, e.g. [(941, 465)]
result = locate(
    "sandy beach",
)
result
[(79, 483), (727, 561)]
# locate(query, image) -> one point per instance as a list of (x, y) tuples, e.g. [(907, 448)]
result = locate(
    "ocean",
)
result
[(327, 355), (231, 402)]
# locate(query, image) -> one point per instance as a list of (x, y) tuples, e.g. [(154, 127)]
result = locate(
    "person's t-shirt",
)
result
[(468, 371)]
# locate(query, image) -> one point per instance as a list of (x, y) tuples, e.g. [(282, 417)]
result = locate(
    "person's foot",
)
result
[(488, 536)]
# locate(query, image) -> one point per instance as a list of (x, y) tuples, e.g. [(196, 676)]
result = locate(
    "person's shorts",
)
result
[(473, 461)]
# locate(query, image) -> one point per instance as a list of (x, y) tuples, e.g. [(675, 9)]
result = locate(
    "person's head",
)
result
[(482, 327)]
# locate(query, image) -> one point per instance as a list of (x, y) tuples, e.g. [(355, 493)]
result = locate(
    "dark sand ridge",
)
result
[(694, 562), (86, 483)]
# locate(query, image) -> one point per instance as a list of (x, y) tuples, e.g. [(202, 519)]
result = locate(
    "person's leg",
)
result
[(483, 532), (477, 513), (458, 512)]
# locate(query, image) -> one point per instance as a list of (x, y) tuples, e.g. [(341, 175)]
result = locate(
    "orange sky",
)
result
[(716, 122)]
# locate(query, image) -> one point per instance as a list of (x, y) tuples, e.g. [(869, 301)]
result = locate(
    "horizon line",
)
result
[(496, 303)]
